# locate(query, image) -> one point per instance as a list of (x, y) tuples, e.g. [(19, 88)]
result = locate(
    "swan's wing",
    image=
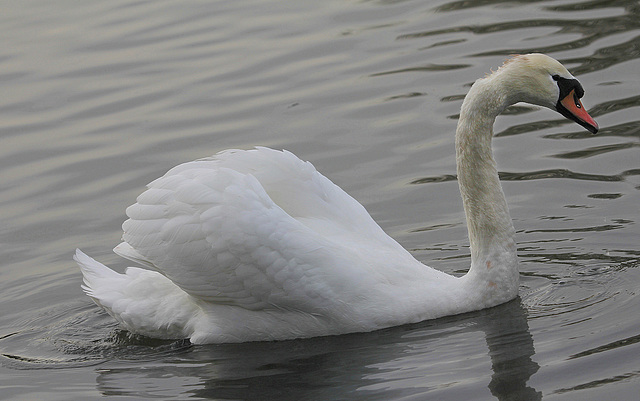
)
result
[(298, 188), (213, 228)]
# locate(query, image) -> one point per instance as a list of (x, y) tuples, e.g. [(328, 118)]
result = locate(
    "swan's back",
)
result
[(295, 186), (260, 230)]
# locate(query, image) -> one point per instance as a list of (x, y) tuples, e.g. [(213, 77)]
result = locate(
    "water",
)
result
[(99, 98)]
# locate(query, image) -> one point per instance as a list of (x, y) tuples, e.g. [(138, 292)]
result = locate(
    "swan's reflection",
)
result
[(439, 358), (510, 348)]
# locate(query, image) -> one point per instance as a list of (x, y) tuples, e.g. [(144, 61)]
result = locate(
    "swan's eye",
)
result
[(576, 100), (556, 77)]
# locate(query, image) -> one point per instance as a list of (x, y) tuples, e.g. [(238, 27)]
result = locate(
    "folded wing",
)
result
[(257, 229)]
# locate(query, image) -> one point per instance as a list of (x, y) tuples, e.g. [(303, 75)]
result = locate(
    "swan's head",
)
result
[(542, 80)]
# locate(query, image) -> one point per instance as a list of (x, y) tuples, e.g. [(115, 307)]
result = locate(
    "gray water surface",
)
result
[(99, 98)]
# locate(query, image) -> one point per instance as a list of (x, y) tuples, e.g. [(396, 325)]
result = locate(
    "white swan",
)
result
[(257, 245)]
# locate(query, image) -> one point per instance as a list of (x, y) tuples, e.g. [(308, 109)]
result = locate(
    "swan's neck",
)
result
[(491, 232)]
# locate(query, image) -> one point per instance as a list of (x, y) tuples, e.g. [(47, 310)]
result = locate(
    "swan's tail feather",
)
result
[(142, 301), (94, 273)]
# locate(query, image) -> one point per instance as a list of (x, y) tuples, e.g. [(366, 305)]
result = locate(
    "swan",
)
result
[(256, 245)]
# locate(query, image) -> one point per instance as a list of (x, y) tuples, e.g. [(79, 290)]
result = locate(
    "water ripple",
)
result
[(100, 98)]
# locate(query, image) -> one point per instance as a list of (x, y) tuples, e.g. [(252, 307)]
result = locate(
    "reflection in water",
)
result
[(357, 366), (511, 349)]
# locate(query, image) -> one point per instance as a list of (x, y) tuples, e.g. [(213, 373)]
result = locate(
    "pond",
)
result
[(100, 98)]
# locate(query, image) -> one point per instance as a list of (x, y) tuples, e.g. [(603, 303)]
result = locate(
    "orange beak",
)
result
[(572, 108)]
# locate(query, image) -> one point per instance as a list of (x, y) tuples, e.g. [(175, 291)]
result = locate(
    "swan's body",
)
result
[(257, 245)]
